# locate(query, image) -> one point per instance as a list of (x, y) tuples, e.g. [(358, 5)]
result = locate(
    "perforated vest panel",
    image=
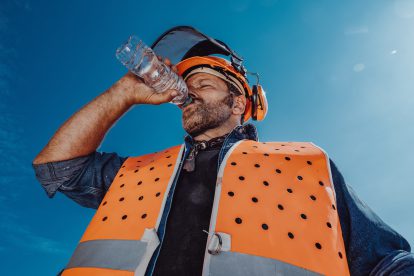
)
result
[(275, 202), (114, 242), (133, 201)]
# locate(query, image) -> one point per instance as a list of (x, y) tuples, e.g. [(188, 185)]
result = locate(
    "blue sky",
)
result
[(337, 73)]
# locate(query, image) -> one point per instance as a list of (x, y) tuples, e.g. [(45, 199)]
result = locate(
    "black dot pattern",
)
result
[(292, 173), (138, 179), (298, 191)]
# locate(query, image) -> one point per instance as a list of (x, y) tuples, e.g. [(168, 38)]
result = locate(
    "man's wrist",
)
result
[(125, 91)]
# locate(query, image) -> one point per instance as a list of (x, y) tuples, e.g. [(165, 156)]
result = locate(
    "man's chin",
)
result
[(193, 127)]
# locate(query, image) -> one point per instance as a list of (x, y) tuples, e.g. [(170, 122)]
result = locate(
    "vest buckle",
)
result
[(215, 244)]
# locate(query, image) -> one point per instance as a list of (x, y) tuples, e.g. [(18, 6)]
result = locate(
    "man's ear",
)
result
[(239, 105)]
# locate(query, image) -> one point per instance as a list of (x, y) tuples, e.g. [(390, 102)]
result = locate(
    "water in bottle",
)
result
[(143, 62)]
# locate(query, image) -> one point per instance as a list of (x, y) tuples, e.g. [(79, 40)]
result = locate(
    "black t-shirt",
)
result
[(182, 252)]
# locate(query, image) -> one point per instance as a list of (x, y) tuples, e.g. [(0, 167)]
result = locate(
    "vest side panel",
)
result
[(135, 197), (277, 201)]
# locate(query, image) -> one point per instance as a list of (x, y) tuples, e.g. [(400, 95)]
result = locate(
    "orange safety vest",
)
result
[(274, 213)]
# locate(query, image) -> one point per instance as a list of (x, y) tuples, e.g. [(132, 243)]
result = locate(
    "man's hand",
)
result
[(140, 93)]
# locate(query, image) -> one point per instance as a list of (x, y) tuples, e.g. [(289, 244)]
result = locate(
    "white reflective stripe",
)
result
[(234, 263), (216, 200), (177, 165), (112, 254), (328, 164), (151, 238)]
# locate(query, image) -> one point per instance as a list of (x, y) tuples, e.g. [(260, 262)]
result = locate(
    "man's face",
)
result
[(211, 106)]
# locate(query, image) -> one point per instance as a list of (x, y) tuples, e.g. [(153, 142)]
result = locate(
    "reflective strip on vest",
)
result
[(112, 254), (233, 263)]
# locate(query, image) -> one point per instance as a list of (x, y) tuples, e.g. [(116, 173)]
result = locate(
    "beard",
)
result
[(201, 116)]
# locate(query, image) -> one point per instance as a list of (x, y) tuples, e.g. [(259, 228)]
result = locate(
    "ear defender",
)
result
[(259, 103)]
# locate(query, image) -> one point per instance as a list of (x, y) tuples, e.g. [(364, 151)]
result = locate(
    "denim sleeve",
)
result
[(84, 179), (372, 247)]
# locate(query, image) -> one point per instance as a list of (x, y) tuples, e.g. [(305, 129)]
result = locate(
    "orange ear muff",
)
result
[(254, 102), (259, 103)]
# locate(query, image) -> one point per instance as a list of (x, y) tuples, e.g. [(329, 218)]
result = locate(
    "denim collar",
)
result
[(240, 132)]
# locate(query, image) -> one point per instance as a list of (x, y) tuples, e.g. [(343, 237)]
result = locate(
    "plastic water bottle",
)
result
[(143, 62)]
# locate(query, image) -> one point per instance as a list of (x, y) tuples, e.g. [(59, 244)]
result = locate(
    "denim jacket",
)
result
[(372, 247)]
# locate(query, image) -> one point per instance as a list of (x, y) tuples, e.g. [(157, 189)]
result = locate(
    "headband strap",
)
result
[(218, 74)]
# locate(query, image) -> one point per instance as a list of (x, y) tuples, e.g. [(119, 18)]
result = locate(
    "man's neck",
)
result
[(215, 132)]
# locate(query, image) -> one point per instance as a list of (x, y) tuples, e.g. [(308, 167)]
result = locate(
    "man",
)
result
[(166, 213)]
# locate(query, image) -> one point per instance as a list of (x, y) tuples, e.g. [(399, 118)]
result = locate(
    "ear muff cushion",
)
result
[(254, 102), (261, 104)]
